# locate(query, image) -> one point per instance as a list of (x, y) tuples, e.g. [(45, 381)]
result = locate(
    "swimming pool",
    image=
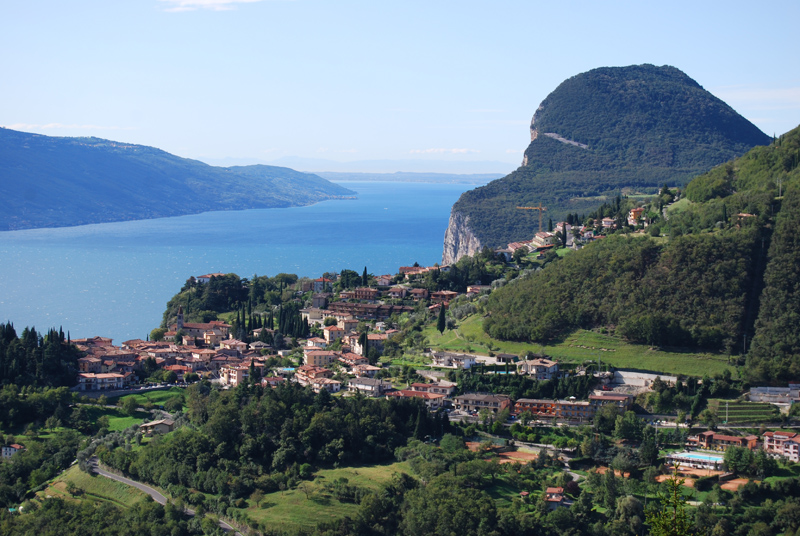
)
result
[(697, 456)]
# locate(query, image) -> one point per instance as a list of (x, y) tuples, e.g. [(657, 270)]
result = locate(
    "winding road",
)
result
[(158, 497)]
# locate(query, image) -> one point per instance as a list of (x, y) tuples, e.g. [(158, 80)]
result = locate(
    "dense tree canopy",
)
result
[(34, 359), (251, 437), (692, 291)]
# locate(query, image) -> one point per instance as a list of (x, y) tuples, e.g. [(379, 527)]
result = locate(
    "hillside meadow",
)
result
[(581, 346)]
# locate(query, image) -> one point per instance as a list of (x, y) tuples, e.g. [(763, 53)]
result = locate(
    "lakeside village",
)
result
[(362, 342), (351, 328)]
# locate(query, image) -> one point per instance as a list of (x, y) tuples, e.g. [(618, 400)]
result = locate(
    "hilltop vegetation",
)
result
[(722, 276), (648, 290), (55, 182), (634, 128), (36, 359), (253, 438)]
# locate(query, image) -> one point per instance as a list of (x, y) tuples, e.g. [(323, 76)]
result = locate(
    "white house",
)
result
[(11, 449), (446, 359), (541, 369), (543, 238)]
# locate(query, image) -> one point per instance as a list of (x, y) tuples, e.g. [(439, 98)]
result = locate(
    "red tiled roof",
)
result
[(405, 393), (617, 398)]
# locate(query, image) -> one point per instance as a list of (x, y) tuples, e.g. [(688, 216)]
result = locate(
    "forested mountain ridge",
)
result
[(726, 276), (57, 181), (598, 133)]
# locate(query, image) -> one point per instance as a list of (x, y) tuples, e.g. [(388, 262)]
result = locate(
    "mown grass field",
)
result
[(157, 398), (581, 346), (93, 488), (117, 420), (504, 492), (291, 509)]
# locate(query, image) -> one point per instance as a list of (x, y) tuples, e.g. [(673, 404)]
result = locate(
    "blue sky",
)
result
[(438, 81)]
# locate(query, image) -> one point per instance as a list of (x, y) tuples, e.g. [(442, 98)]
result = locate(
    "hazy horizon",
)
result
[(421, 86)]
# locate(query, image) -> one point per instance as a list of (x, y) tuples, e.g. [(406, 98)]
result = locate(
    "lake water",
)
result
[(114, 279)]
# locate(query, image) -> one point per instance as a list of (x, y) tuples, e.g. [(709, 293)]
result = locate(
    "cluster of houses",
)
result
[(367, 303), (539, 367), (575, 236), (106, 367), (571, 410), (781, 443), (209, 346)]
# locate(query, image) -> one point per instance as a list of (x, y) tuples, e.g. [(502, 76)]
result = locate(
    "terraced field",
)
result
[(735, 411)]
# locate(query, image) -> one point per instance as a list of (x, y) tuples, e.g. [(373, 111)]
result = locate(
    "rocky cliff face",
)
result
[(459, 240)]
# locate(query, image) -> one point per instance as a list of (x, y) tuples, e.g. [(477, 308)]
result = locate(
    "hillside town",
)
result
[(209, 348), (350, 329)]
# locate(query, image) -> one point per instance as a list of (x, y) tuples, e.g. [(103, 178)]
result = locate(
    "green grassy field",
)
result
[(503, 492), (93, 488), (158, 398), (116, 419), (679, 206), (581, 346), (291, 509), (790, 470)]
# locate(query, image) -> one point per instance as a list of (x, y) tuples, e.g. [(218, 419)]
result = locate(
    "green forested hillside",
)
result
[(726, 276), (691, 292), (638, 127), (54, 182), (775, 352)]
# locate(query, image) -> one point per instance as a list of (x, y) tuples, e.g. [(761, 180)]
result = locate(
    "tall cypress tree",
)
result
[(440, 324), (419, 428)]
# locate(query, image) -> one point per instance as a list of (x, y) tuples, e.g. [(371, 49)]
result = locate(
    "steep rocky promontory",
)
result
[(458, 239), (608, 131)]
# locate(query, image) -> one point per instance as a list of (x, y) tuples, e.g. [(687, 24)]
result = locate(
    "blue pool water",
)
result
[(704, 457)]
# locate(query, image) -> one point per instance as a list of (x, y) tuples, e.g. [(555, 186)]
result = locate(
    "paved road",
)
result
[(158, 497)]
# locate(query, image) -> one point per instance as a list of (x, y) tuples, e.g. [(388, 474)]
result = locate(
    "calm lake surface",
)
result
[(114, 279)]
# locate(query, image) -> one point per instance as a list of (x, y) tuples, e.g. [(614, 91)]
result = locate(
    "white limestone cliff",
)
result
[(459, 239)]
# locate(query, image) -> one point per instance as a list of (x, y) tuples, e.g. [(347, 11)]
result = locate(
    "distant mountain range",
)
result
[(606, 131), (57, 182), (409, 165), (435, 178)]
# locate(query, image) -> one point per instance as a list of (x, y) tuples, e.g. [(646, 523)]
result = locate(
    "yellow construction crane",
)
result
[(540, 208)]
